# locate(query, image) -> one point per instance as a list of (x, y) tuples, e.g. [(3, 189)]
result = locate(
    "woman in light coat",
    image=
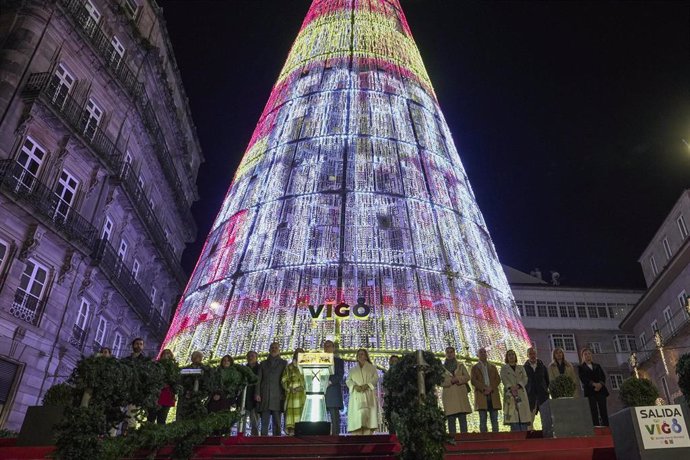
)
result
[(295, 396), (362, 408), (560, 366), (516, 405), (456, 403)]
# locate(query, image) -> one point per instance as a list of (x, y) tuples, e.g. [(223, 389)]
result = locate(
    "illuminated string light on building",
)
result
[(659, 342), (351, 187), (633, 363)]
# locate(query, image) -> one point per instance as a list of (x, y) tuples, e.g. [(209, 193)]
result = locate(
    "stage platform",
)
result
[(480, 446)]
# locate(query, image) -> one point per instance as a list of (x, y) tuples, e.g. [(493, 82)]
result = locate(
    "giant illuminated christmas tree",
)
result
[(351, 187)]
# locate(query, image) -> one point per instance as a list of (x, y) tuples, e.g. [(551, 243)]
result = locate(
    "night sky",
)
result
[(569, 116)]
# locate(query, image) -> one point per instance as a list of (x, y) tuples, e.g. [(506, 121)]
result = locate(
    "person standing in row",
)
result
[(594, 383), (456, 403), (485, 380), (537, 382), (269, 392), (560, 366), (166, 399), (362, 408), (292, 381), (251, 406), (516, 405), (334, 391), (194, 388), (137, 356)]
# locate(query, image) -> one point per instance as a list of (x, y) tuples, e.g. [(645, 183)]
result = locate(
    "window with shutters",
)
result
[(90, 22), (682, 228), (60, 85), (668, 317), (667, 249), (4, 254), (101, 331), (28, 299), (117, 345), (131, 7), (9, 372), (117, 52), (595, 347), (107, 229), (65, 191), (79, 328), (135, 269), (29, 162), (616, 381), (564, 341), (91, 119), (655, 268)]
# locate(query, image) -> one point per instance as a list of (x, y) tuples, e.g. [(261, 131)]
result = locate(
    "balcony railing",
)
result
[(27, 189), (117, 272), (27, 307), (74, 114), (138, 199), (102, 44), (77, 338), (667, 331)]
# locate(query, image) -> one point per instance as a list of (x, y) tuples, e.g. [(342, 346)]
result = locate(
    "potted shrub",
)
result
[(637, 430), (638, 392), (564, 415), (38, 428)]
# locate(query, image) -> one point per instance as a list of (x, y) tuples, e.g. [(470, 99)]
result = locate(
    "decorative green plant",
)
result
[(683, 371), (113, 384), (7, 434), (61, 394), (406, 413), (638, 392), (562, 386)]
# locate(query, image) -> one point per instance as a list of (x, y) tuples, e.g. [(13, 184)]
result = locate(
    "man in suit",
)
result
[(537, 381), (487, 400), (334, 392), (269, 391)]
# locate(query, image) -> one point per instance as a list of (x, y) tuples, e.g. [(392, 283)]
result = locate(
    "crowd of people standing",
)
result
[(272, 392), (525, 388)]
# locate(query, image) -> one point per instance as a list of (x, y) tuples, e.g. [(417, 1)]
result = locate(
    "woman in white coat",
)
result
[(516, 405), (362, 408)]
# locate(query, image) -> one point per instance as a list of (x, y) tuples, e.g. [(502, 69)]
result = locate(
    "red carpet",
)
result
[(480, 446)]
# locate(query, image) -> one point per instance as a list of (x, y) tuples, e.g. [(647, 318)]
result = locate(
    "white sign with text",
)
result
[(662, 427)]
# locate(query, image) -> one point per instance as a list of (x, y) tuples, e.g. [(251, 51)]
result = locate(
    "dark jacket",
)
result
[(269, 386), (590, 376), (250, 402), (537, 382), (334, 392)]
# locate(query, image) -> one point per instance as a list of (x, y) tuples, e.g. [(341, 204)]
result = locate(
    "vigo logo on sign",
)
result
[(662, 427), (342, 310)]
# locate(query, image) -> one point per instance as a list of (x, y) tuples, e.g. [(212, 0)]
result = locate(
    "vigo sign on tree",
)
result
[(350, 187)]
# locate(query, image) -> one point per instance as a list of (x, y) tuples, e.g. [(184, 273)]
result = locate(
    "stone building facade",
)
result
[(573, 318), (98, 163), (661, 319)]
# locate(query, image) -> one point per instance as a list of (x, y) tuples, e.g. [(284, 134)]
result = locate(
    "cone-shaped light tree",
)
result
[(350, 201)]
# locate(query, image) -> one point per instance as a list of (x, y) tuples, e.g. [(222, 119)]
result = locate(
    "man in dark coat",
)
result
[(269, 391), (537, 381), (250, 403), (334, 392)]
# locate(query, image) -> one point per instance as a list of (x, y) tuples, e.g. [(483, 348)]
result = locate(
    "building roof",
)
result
[(515, 276)]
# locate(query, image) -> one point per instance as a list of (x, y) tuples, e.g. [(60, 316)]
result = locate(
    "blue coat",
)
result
[(334, 392)]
